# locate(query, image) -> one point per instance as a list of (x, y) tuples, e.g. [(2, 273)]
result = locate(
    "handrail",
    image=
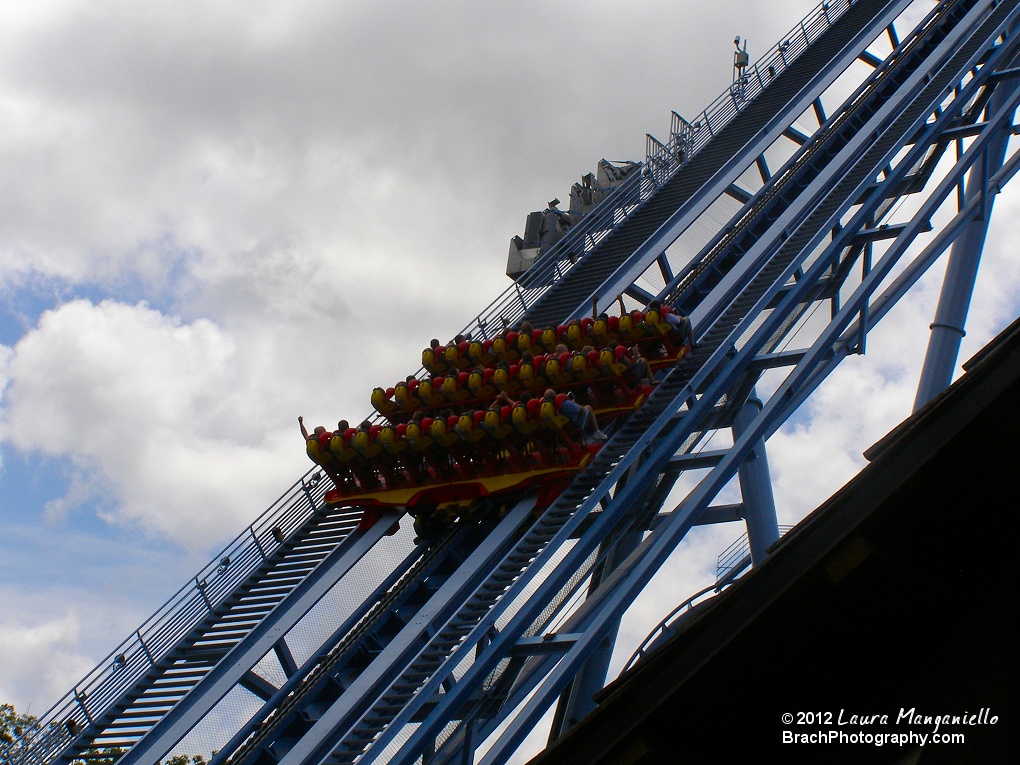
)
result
[(664, 626), (99, 689), (93, 695), (733, 555), (689, 137), (730, 564), (662, 161), (801, 159)]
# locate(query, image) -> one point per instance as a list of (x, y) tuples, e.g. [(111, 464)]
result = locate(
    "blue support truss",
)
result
[(448, 643), (947, 330)]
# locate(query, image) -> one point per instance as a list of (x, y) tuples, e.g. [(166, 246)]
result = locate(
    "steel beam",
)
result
[(756, 486), (947, 330), (802, 379), (314, 745), (780, 125), (233, 669)]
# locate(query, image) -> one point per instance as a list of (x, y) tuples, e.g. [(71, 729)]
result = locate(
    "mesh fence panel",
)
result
[(269, 669), (219, 725), (350, 592)]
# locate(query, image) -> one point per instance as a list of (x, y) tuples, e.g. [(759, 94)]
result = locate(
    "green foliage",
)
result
[(13, 726), (106, 756), (16, 728)]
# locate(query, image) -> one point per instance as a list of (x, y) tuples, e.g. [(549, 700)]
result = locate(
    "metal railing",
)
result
[(732, 556), (731, 563), (155, 638), (687, 138), (666, 627), (662, 161)]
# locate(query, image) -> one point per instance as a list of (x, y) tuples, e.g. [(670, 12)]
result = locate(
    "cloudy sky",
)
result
[(216, 216)]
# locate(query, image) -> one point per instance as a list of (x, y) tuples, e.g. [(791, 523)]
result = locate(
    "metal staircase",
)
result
[(698, 180), (450, 641), (715, 148), (317, 686)]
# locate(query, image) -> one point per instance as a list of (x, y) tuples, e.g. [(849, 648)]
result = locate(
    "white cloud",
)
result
[(308, 193), (822, 450), (41, 659), (155, 411), (147, 139), (5, 356)]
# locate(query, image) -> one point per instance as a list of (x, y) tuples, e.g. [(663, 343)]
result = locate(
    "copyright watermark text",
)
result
[(908, 726)]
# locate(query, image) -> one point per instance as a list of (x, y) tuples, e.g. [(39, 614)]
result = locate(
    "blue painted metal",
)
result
[(486, 656), (780, 406), (750, 153), (879, 306), (383, 596), (591, 678), (259, 559), (661, 542), (738, 241), (756, 487), (476, 649), (420, 629), (687, 140), (733, 562), (268, 636), (947, 330), (389, 616)]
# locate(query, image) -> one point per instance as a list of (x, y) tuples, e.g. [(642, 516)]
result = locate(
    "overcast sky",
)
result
[(215, 216)]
